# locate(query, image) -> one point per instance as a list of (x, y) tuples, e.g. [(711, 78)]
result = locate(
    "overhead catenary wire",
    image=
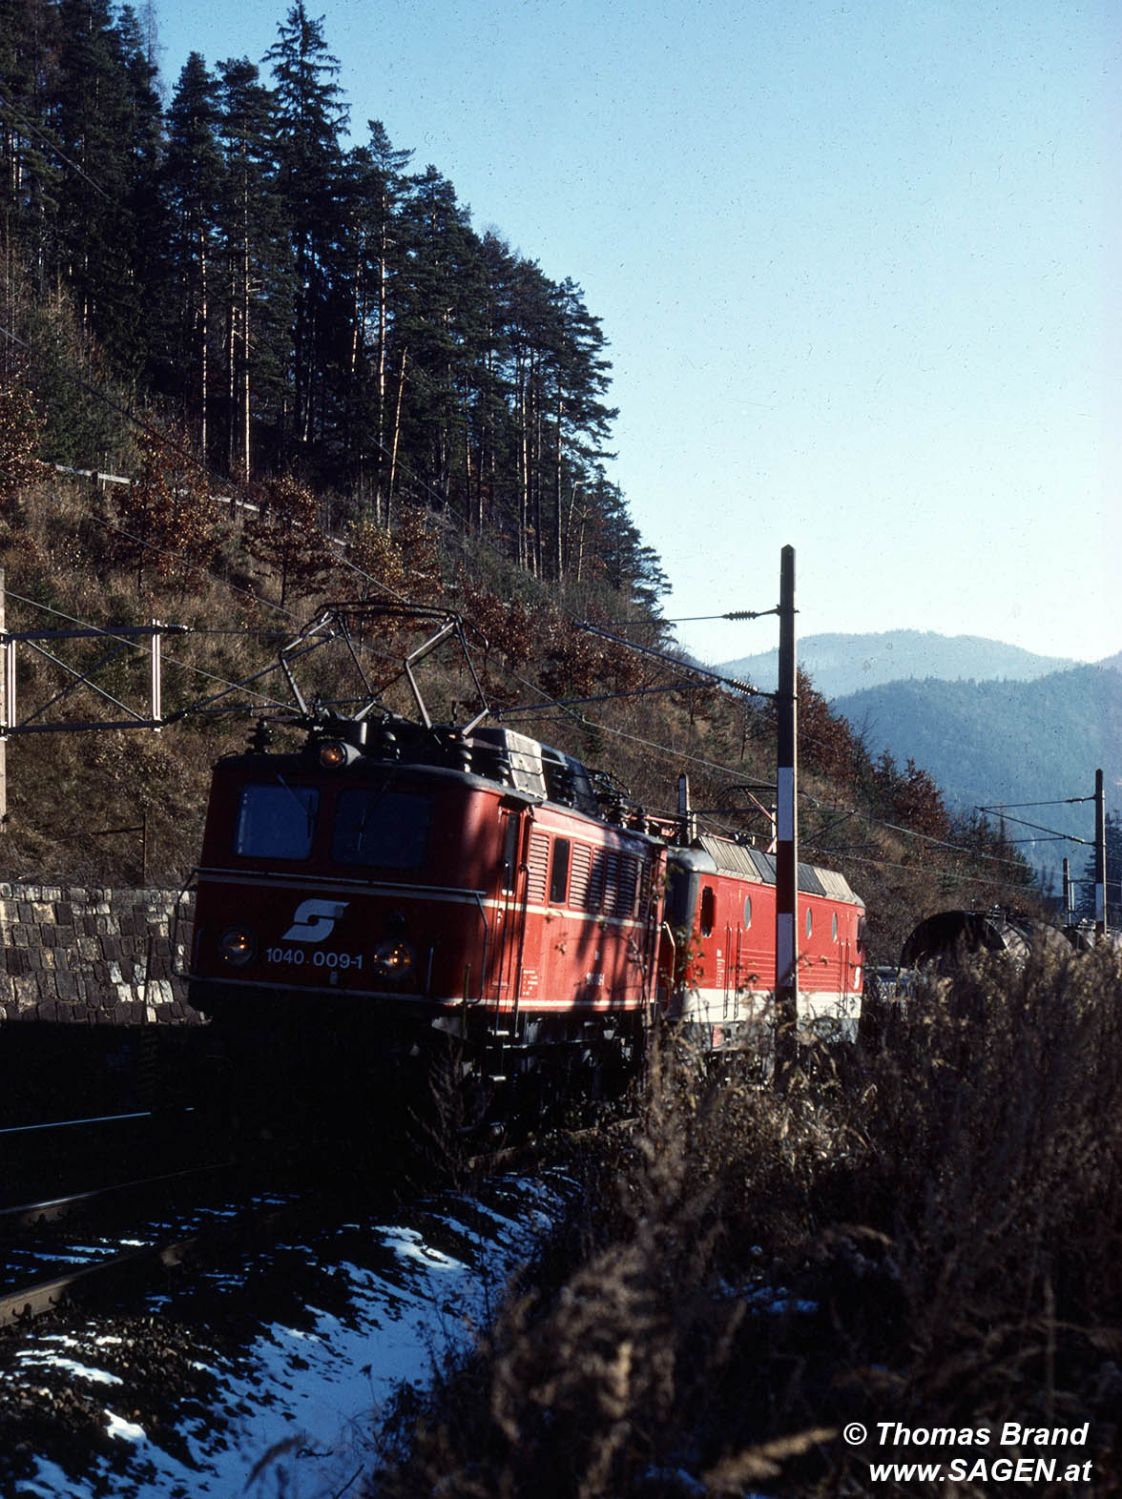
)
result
[(949, 875), (713, 678), (736, 615), (807, 796), (603, 697), (1052, 832), (1064, 801)]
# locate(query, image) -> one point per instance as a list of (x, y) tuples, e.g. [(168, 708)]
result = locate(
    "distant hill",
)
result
[(1006, 741), (841, 664)]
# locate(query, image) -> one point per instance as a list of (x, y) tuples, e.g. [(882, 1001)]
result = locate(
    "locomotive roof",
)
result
[(747, 863), (535, 772)]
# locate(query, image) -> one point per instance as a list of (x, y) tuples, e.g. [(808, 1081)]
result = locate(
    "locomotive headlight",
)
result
[(237, 945), (394, 961), (334, 754)]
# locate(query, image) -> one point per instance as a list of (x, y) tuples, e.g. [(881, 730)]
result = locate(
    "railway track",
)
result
[(97, 1204), (121, 1251), (60, 1157), (113, 1237)]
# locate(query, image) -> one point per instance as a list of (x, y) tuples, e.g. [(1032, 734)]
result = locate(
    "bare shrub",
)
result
[(928, 1235)]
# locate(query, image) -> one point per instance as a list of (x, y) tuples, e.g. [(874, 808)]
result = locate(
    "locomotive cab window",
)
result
[(381, 829), (708, 910), (809, 921), (747, 912), (559, 870), (276, 822)]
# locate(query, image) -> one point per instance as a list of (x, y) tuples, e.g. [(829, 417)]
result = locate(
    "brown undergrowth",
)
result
[(928, 1234)]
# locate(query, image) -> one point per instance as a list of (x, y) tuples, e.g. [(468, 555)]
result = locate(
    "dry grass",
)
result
[(940, 1227)]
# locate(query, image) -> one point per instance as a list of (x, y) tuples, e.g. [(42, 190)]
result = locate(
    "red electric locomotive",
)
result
[(419, 887), (396, 892), (717, 960)]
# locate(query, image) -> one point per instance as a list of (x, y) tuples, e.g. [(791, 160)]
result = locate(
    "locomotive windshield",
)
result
[(387, 829), (277, 821)]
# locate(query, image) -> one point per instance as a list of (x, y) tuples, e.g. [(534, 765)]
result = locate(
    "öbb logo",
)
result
[(314, 920)]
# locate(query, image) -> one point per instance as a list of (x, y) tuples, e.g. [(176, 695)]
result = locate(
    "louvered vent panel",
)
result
[(628, 885), (645, 888), (610, 904), (580, 874), (595, 902), (538, 866)]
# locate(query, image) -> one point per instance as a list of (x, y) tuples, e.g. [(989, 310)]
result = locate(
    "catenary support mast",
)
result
[(1100, 855), (787, 843)]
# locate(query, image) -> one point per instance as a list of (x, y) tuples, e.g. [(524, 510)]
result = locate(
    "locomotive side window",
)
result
[(680, 897), (386, 829), (510, 853), (559, 872), (276, 822), (809, 921), (747, 912), (708, 910)]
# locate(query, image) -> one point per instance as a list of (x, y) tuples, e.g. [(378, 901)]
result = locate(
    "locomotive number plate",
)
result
[(298, 957)]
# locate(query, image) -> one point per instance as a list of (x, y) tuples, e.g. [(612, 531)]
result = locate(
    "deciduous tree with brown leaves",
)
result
[(169, 518), (21, 427), (402, 561), (285, 535)]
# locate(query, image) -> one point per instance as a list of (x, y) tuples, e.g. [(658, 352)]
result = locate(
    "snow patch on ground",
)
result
[(297, 1403)]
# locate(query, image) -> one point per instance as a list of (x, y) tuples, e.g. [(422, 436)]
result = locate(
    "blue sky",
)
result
[(858, 265)]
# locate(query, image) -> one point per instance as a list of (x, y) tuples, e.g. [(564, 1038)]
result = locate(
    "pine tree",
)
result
[(106, 118), (193, 186), (534, 332), (257, 276), (142, 128), (28, 156), (578, 373), (610, 549), (437, 326), (374, 190), (310, 119), (492, 446)]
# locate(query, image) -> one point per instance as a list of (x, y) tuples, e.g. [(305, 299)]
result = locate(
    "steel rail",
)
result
[(28, 1214), (34, 1298), (41, 1296), (30, 1129)]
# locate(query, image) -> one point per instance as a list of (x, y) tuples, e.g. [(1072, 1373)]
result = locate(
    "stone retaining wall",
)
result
[(89, 955)]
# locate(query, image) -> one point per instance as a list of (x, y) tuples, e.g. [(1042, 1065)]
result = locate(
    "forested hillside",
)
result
[(322, 382), (991, 742), (287, 296)]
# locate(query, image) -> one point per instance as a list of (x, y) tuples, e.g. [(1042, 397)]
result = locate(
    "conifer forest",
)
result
[(292, 292)]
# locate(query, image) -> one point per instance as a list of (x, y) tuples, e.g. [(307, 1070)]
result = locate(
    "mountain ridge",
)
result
[(994, 742), (841, 663)]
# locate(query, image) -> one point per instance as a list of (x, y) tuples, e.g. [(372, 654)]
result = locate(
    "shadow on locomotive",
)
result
[(393, 894)]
